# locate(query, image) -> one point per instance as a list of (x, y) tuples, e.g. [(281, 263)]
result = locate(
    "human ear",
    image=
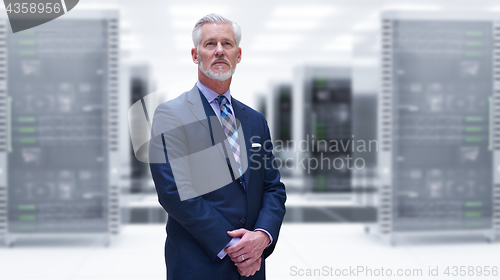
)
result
[(239, 56), (194, 55)]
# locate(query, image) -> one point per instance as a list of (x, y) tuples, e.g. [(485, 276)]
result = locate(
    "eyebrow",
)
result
[(212, 38)]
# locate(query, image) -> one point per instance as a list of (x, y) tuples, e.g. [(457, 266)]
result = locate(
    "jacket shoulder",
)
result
[(248, 110), (174, 103)]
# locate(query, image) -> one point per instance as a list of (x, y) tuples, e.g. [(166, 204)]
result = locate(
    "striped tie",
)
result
[(229, 125)]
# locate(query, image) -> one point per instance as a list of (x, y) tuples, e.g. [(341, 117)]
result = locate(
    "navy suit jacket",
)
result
[(197, 227)]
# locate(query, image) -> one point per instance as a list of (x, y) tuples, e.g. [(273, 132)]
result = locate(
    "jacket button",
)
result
[(242, 220)]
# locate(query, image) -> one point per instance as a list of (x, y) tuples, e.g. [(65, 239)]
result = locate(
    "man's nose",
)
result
[(219, 50)]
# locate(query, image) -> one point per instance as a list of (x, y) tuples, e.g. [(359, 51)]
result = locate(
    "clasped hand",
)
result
[(247, 253)]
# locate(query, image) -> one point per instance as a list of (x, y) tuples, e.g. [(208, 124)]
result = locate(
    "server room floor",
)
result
[(138, 254)]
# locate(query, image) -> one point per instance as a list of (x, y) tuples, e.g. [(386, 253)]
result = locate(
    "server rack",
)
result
[(439, 134), (364, 126), (140, 86), (3, 129), (365, 82), (282, 111), (281, 125), (262, 105), (323, 116), (59, 152)]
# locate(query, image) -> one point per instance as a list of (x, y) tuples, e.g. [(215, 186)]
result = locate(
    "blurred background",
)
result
[(385, 119)]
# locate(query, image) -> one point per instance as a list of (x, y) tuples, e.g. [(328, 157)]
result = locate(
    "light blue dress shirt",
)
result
[(212, 96)]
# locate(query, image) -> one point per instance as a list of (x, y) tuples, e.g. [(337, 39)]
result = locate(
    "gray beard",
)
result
[(216, 76)]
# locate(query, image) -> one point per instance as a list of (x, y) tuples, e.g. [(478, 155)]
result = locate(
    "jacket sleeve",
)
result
[(272, 208), (197, 216)]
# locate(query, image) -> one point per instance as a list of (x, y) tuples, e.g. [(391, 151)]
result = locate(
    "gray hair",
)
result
[(216, 19)]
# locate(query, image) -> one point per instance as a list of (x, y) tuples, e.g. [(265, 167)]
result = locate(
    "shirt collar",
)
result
[(210, 95)]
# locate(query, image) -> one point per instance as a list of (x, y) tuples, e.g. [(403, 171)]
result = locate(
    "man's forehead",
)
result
[(209, 30)]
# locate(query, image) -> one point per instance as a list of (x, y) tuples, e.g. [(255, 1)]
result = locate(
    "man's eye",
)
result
[(227, 43), (209, 43)]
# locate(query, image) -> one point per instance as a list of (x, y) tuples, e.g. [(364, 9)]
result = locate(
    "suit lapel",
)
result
[(196, 107), (200, 108), (239, 113)]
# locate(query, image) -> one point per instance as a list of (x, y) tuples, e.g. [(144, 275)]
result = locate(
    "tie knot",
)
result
[(222, 100)]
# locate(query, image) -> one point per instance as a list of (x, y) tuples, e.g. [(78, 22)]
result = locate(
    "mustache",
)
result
[(221, 57)]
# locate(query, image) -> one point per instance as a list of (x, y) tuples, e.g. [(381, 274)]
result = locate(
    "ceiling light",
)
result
[(197, 11), (412, 7), (310, 11), (291, 24), (277, 38)]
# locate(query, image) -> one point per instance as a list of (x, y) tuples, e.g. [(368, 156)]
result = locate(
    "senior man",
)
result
[(217, 182)]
